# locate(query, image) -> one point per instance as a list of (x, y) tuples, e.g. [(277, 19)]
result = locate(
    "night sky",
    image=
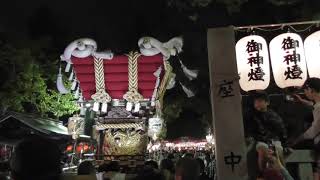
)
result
[(118, 24)]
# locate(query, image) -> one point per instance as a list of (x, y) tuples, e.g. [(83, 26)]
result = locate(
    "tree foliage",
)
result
[(27, 82)]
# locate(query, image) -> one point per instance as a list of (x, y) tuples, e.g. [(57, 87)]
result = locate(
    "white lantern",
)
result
[(288, 60), (155, 126), (209, 138), (312, 51), (253, 63)]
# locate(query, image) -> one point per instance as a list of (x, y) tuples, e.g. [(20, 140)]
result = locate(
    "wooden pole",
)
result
[(226, 105)]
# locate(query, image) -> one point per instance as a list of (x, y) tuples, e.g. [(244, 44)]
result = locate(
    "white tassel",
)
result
[(158, 72), (60, 85), (104, 107), (191, 74), (137, 107), (129, 106), (76, 94), (187, 91), (82, 111), (71, 75), (68, 66), (155, 90), (80, 98), (96, 106), (74, 85), (153, 103), (172, 82)]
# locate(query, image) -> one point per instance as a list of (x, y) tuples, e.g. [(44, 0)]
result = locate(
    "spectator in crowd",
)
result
[(86, 168), (171, 157), (274, 168), (151, 164), (203, 175), (265, 126), (149, 174), (312, 91), (167, 169), (114, 166), (36, 158), (188, 155), (103, 168), (187, 169), (113, 171)]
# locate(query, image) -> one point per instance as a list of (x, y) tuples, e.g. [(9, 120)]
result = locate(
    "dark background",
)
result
[(118, 24)]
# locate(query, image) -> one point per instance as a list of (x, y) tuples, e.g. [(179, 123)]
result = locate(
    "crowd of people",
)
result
[(38, 158)]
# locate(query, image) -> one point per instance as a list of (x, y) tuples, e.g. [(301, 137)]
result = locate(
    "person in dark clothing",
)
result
[(262, 123), (167, 164), (151, 164), (36, 158), (167, 169), (149, 174), (187, 169), (86, 168), (265, 127), (203, 175)]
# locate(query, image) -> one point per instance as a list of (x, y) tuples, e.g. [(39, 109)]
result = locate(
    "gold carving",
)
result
[(124, 143)]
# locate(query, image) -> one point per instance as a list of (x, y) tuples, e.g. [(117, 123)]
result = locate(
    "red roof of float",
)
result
[(116, 75)]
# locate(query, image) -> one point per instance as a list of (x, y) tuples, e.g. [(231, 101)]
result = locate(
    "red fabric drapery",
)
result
[(116, 75)]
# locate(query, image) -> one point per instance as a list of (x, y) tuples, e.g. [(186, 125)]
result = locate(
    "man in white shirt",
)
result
[(312, 91)]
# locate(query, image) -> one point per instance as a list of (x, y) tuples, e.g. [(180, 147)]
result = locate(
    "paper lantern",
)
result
[(253, 63), (312, 52), (155, 126), (288, 60)]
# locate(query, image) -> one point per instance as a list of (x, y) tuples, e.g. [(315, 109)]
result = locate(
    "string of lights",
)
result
[(277, 27)]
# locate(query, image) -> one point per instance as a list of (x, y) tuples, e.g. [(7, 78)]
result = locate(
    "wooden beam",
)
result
[(301, 156)]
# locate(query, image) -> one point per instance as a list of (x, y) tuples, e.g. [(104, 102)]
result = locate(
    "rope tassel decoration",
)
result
[(101, 96), (129, 106), (188, 92), (76, 94), (133, 96), (191, 74), (71, 76), (68, 67), (155, 91), (60, 86), (74, 84), (104, 107), (137, 107)]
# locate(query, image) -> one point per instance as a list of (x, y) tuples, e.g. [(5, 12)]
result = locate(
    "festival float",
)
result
[(120, 96)]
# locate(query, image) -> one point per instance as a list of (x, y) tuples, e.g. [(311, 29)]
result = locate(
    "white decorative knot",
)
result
[(150, 46), (133, 96), (101, 96)]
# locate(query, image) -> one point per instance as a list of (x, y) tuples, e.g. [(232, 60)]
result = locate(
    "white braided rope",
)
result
[(133, 96), (101, 96), (119, 126)]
